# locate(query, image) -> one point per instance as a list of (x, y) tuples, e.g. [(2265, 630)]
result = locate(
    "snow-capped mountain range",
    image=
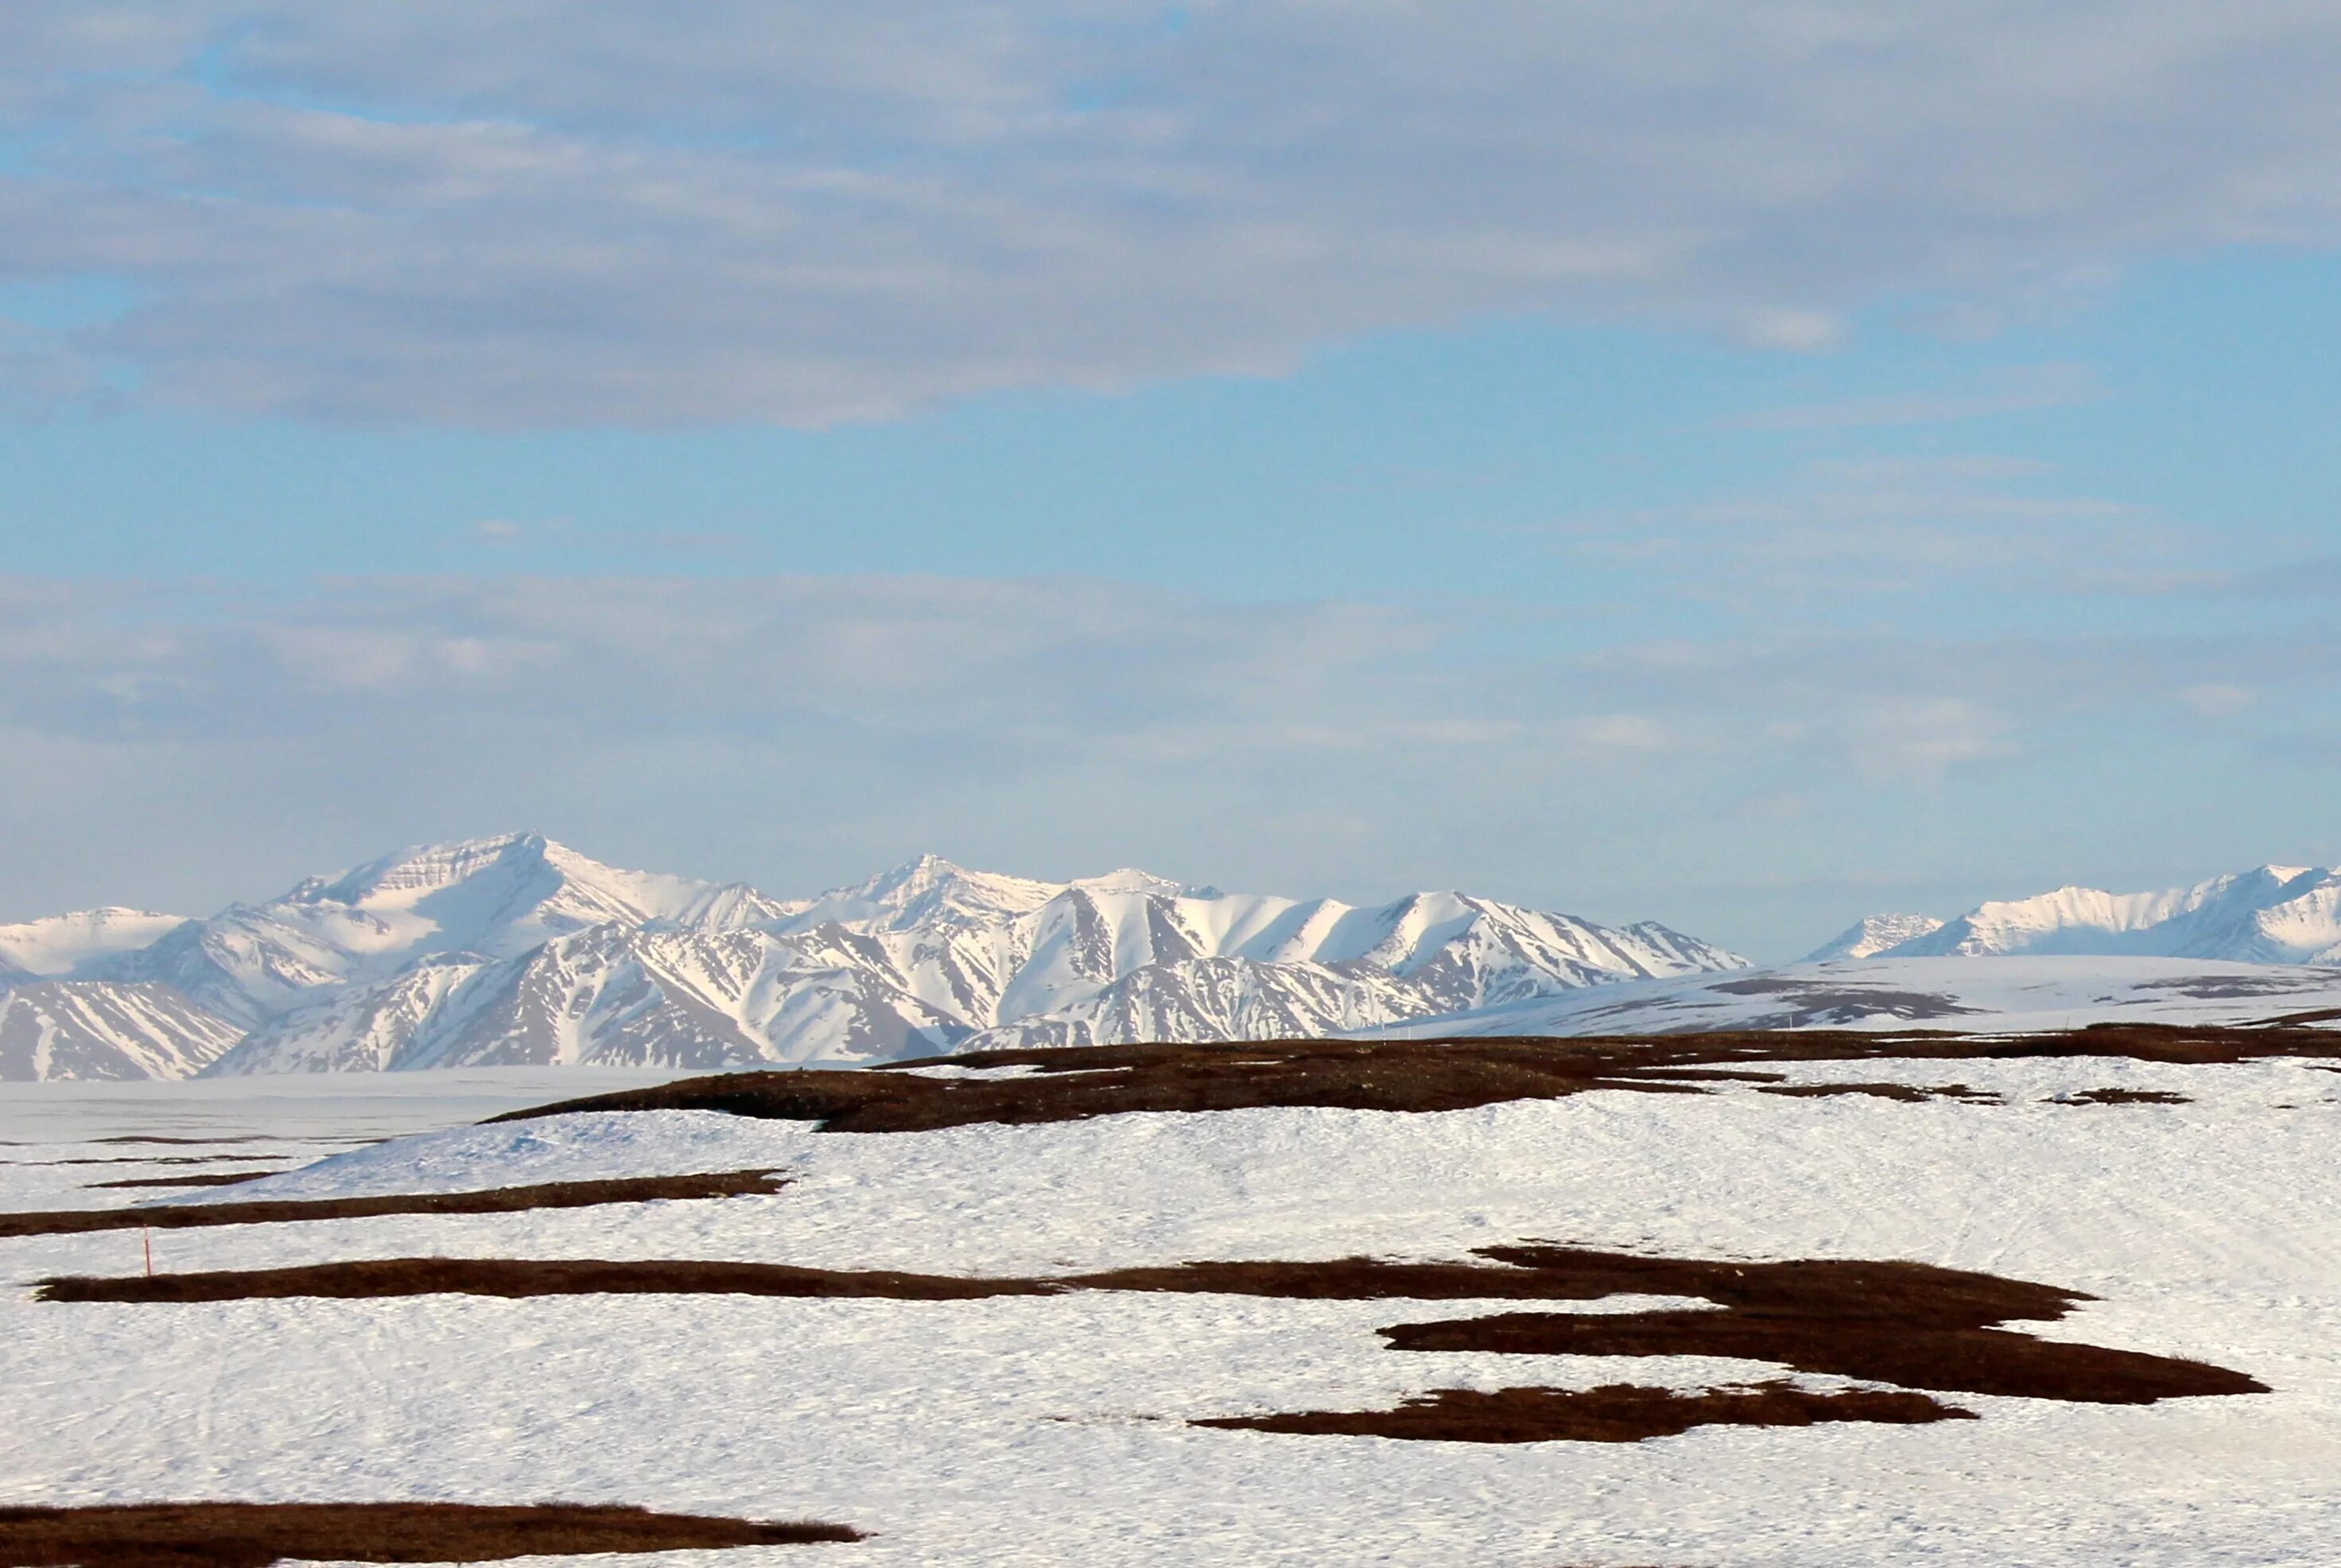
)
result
[(2271, 915), (519, 950)]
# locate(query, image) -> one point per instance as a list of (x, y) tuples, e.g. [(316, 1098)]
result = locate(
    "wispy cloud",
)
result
[(2026, 390), (1868, 530), (581, 212)]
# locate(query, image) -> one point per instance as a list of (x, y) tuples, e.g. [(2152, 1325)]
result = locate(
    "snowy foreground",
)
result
[(1052, 1430)]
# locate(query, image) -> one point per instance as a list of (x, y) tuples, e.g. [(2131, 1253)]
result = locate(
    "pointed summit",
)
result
[(422, 869)]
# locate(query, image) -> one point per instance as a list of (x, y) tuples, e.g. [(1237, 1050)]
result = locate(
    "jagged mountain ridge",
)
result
[(518, 950), (496, 898), (1109, 958)]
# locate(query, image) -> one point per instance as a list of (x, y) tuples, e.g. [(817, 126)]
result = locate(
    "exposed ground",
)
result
[(222, 1178), (493, 1200), (1424, 1075), (257, 1534), (1614, 1413)]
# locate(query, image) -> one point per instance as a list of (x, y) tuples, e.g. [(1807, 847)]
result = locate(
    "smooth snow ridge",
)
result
[(2270, 915)]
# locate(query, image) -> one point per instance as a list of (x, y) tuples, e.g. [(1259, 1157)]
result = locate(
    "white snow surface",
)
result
[(1050, 1431)]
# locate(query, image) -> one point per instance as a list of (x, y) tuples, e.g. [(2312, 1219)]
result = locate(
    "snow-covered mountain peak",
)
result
[(496, 898), (400, 879), (487, 894), (1873, 935), (2270, 914)]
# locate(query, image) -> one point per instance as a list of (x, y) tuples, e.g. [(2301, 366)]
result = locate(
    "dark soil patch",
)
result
[(234, 1138), (523, 1277), (257, 1535), (1073, 1082), (158, 1160), (2123, 1098), (216, 1178), (1615, 1413), (495, 1200), (1823, 1091), (1908, 1093), (1899, 1323)]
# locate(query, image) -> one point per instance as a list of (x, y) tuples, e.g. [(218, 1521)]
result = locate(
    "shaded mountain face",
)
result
[(519, 950), (2270, 915)]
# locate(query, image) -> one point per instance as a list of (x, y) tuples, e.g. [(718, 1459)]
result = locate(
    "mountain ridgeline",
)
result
[(520, 952)]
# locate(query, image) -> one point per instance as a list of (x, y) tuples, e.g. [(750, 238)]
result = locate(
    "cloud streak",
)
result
[(597, 211)]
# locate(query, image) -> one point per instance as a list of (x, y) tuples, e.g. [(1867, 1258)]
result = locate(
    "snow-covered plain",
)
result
[(1988, 996), (1051, 1430)]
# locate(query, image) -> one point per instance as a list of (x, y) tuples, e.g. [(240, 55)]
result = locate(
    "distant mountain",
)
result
[(520, 950), (932, 957), (1874, 935), (928, 893), (60, 944), (492, 898), (2272, 914)]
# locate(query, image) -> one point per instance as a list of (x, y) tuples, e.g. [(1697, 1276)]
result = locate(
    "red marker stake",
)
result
[(147, 1236)]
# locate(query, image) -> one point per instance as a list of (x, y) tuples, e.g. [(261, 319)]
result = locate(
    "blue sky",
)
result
[(1741, 472)]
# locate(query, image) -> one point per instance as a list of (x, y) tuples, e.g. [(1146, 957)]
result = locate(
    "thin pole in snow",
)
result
[(146, 1235)]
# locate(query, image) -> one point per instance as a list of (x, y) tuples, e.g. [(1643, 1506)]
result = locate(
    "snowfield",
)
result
[(1986, 996), (1052, 1430)]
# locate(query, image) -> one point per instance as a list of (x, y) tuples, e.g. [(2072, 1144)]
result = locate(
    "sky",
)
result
[(1742, 466)]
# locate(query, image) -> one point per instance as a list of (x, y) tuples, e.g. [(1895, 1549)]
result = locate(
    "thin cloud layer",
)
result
[(803, 731), (581, 212)]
